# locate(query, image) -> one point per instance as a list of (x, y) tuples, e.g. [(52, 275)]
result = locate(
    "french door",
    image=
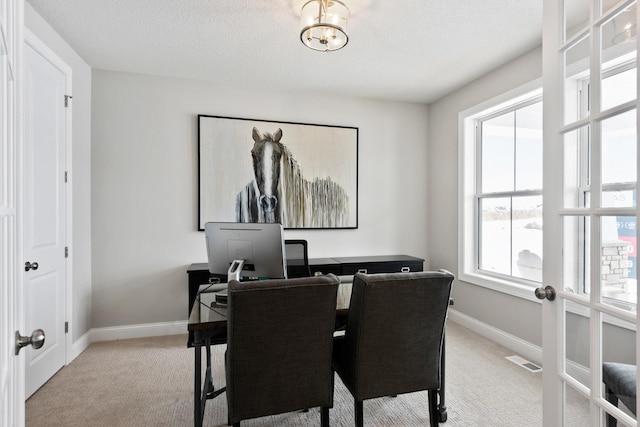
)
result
[(590, 208)]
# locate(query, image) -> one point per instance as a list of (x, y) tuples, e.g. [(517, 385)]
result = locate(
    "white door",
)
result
[(590, 208), (11, 366), (44, 206)]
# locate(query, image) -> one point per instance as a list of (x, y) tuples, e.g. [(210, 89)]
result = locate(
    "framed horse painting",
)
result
[(299, 175)]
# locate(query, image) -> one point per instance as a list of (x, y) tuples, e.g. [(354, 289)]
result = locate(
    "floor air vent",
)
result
[(524, 363)]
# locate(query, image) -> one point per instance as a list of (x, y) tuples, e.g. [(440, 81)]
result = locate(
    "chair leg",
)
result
[(359, 418), (613, 399), (324, 416), (433, 408)]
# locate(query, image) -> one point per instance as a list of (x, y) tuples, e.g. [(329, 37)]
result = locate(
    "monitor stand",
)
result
[(232, 274), (234, 270)]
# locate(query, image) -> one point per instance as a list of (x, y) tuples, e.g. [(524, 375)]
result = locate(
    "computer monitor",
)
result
[(246, 250)]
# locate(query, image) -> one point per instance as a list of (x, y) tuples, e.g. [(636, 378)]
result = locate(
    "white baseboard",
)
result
[(138, 331), (519, 346), (124, 332), (580, 372), (78, 346)]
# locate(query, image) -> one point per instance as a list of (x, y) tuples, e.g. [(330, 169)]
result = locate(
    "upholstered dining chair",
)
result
[(394, 335), (279, 343), (620, 382)]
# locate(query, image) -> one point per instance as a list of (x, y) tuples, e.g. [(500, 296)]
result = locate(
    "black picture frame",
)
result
[(317, 186)]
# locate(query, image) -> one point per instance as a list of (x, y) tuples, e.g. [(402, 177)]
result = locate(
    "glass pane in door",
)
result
[(618, 364), (575, 81), (576, 408), (577, 364), (576, 173), (577, 343), (607, 5), (618, 58), (618, 88), (575, 260), (618, 273), (618, 156), (576, 17)]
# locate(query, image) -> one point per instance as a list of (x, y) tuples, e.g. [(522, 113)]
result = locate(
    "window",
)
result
[(501, 197), (616, 157), (500, 168), (509, 191)]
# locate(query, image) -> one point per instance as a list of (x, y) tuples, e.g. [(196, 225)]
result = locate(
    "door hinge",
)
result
[(66, 327), (66, 176), (66, 251), (66, 100)]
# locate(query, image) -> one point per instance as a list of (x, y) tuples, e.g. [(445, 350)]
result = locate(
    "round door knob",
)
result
[(547, 292), (30, 266), (36, 340)]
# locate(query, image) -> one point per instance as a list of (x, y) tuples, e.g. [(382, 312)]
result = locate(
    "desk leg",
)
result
[(210, 389), (202, 392), (442, 407), (197, 380)]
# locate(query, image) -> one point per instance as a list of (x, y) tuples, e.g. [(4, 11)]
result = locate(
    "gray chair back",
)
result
[(394, 333), (279, 346), (297, 256)]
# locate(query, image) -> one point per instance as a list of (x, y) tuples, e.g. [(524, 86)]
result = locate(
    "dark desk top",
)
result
[(206, 315)]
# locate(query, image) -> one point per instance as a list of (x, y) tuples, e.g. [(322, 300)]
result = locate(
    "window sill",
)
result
[(525, 291), (513, 288)]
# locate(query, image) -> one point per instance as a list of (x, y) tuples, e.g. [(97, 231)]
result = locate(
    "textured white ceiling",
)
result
[(406, 50)]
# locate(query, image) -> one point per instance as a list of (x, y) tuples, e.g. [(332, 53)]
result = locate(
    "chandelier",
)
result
[(624, 26), (324, 25)]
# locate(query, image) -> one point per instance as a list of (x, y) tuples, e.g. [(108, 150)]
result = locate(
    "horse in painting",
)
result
[(279, 192)]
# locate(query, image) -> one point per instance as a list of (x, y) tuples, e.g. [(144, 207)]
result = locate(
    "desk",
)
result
[(208, 324), (198, 273)]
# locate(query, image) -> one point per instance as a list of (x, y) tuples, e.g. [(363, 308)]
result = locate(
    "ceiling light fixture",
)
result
[(626, 20), (627, 35), (324, 25)]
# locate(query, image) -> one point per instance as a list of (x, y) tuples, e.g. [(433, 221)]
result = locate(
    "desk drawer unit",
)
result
[(380, 264)]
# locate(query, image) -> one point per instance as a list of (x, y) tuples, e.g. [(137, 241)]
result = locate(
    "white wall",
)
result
[(144, 187), (515, 316), (80, 247)]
